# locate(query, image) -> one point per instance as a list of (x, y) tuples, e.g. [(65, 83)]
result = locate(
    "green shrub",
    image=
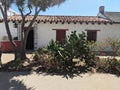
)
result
[(108, 65), (46, 61), (60, 55), (109, 46), (114, 43)]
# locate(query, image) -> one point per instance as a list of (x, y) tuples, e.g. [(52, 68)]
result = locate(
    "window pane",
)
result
[(91, 35)]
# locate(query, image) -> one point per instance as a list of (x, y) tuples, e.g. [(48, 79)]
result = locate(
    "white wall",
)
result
[(45, 32), (3, 30)]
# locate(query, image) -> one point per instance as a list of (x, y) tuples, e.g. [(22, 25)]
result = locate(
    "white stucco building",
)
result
[(3, 34), (46, 28)]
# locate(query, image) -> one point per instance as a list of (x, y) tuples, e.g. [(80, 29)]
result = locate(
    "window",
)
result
[(60, 34), (92, 35)]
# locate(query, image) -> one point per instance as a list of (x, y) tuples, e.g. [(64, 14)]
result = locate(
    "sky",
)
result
[(83, 7)]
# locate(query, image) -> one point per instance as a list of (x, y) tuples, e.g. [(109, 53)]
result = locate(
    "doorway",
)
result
[(30, 40)]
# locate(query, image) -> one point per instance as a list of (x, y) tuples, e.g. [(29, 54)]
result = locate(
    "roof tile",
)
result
[(46, 18)]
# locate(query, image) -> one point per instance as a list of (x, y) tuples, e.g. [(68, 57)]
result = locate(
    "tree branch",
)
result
[(30, 11), (30, 25), (35, 16), (23, 17), (5, 10), (4, 13)]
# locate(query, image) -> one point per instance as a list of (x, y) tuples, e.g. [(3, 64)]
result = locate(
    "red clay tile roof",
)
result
[(63, 19)]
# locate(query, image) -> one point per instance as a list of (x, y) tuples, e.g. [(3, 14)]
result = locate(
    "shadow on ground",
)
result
[(7, 83), (64, 74)]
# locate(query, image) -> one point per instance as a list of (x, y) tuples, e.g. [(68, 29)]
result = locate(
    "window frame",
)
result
[(92, 35), (58, 32)]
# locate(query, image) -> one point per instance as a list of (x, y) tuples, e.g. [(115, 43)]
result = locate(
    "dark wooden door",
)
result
[(60, 35)]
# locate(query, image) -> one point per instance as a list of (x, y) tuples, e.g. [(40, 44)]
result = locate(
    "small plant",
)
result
[(5, 38)]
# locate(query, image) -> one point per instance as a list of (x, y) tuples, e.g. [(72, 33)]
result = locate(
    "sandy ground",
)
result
[(35, 81), (6, 57)]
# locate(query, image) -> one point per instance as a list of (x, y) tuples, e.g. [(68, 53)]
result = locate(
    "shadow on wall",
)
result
[(6, 82)]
